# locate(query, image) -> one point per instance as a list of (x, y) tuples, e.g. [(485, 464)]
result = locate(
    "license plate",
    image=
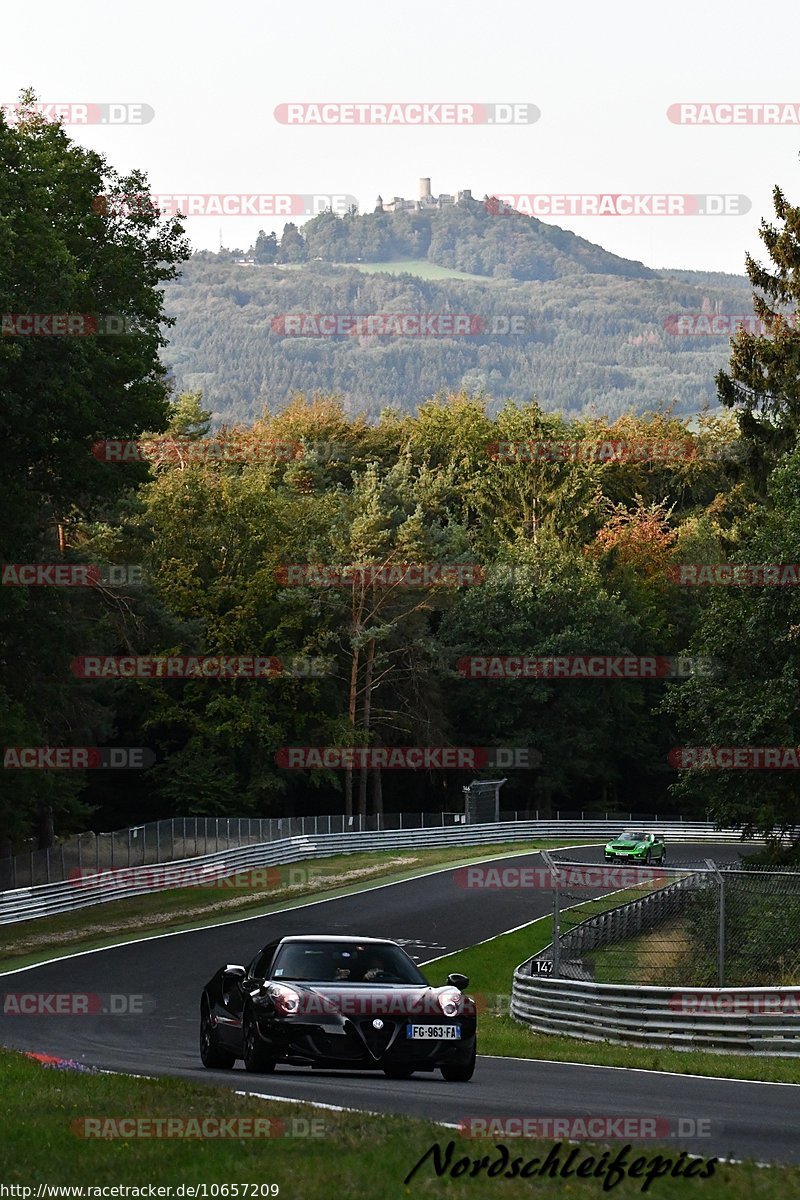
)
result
[(439, 1033)]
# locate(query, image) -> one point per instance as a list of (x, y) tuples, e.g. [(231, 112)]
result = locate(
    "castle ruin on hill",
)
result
[(426, 200)]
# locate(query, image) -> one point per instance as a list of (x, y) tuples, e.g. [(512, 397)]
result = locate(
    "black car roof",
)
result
[(346, 940)]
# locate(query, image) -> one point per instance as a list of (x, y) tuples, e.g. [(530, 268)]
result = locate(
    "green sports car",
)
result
[(637, 846)]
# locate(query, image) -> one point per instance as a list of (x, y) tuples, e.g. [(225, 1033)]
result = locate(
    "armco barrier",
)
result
[(46, 899), (755, 1020), (176, 838), (735, 1020)]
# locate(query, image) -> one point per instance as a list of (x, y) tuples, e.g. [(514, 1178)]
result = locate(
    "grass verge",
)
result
[(351, 1154), (490, 968), (26, 943)]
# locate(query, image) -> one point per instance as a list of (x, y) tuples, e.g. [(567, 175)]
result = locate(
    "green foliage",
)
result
[(62, 253), (590, 344), (763, 382)]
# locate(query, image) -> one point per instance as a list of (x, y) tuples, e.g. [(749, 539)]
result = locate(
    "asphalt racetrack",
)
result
[(430, 915)]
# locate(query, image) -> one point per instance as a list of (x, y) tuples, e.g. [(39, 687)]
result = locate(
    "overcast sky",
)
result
[(603, 77)]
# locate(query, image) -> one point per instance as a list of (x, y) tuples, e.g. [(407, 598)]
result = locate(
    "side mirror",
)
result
[(233, 974), (458, 981)]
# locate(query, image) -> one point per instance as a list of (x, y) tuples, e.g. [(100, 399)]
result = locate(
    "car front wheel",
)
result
[(256, 1058), (212, 1055)]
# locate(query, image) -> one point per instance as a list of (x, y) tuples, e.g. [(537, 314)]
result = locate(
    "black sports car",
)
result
[(337, 1003)]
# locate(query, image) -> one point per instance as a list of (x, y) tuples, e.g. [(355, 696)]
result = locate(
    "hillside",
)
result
[(552, 316)]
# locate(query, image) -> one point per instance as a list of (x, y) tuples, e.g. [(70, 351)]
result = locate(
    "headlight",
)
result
[(450, 1001), (285, 999)]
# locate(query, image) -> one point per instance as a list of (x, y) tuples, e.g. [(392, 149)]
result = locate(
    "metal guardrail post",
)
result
[(551, 864), (712, 866)]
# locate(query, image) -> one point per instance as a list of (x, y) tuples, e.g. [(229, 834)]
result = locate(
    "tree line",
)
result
[(577, 551)]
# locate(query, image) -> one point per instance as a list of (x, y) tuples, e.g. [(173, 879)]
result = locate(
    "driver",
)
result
[(374, 968)]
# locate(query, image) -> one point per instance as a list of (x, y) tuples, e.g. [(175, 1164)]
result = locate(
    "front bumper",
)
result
[(355, 1043)]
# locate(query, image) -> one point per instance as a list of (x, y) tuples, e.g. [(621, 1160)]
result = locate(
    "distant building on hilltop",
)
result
[(425, 202)]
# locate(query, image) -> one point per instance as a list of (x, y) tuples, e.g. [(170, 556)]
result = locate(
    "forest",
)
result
[(542, 535)]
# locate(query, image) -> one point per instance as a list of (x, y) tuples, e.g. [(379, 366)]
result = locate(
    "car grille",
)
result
[(377, 1040)]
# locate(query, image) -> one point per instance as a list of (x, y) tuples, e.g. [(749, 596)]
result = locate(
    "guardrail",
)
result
[(735, 1020), (23, 904), (176, 838), (760, 1020)]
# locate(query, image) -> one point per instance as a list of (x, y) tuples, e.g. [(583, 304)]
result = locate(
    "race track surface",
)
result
[(431, 916)]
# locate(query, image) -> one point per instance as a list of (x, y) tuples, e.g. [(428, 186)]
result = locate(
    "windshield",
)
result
[(347, 962), (628, 836)]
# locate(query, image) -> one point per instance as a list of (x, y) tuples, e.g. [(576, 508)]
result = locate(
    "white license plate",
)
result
[(439, 1033)]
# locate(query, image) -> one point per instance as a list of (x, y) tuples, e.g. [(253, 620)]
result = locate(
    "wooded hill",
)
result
[(556, 318)]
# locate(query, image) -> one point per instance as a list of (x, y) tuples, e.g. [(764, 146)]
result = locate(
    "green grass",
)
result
[(490, 968), (351, 1155), (27, 942), (650, 958)]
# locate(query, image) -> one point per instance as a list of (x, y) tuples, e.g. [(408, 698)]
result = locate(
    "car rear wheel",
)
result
[(459, 1072), (256, 1058), (212, 1054), (398, 1072)]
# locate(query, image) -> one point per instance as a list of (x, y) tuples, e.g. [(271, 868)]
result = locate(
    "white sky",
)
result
[(603, 76)]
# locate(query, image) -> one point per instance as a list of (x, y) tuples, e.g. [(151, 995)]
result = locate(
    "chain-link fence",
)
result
[(188, 837), (185, 837), (697, 927)]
